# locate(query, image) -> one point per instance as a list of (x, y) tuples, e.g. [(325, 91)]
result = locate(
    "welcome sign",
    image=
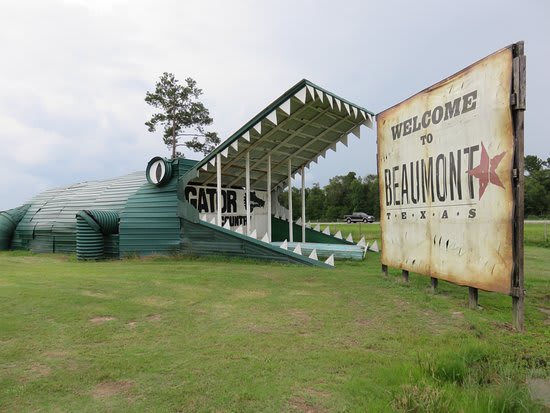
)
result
[(445, 161)]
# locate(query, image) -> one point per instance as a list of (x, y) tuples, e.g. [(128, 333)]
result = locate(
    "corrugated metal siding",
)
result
[(50, 224), (206, 239), (279, 232), (150, 224), (110, 246)]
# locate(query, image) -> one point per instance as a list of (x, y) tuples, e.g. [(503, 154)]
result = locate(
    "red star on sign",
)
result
[(485, 172)]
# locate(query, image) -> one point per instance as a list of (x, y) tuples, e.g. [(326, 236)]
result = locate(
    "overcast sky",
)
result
[(74, 72)]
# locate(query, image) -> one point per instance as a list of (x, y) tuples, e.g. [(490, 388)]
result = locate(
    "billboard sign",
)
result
[(445, 163)]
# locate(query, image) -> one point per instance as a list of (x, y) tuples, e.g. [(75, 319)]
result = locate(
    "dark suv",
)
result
[(359, 217)]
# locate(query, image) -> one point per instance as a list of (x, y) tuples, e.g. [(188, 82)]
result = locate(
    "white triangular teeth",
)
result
[(317, 227), (298, 249), (330, 260), (246, 136), (330, 102), (361, 242), (338, 235), (374, 247), (301, 95), (313, 255), (265, 238), (284, 245), (346, 106), (285, 107), (272, 117), (344, 140), (326, 231), (239, 229), (299, 221), (226, 225), (357, 132), (320, 94), (349, 238), (258, 127), (253, 234)]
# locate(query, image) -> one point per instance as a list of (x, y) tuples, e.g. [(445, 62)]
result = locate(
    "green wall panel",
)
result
[(279, 232)]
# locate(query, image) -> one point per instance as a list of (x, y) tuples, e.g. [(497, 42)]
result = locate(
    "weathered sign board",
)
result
[(448, 167)]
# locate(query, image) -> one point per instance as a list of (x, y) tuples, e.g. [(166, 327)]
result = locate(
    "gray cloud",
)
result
[(75, 72)]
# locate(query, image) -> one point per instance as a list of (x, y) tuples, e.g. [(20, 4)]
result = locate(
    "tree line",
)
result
[(345, 194), (537, 187)]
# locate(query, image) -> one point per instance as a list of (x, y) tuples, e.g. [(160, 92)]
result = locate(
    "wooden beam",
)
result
[(519, 89), (472, 298)]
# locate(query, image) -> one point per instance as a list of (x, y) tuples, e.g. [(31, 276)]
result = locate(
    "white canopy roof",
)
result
[(302, 124)]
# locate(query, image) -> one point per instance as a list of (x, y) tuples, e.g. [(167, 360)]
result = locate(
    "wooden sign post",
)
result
[(517, 101)]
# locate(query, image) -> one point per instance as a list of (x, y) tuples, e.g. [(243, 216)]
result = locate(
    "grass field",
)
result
[(536, 234), (178, 335)]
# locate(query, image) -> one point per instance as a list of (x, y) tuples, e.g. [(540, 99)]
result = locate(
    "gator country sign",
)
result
[(204, 199), (445, 161)]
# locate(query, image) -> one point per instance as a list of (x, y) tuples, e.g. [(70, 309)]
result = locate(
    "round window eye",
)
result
[(159, 171)]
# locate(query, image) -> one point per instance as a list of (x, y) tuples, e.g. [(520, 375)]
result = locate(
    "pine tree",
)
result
[(182, 115)]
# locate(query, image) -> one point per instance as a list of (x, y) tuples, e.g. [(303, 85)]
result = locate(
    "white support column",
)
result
[(219, 188), (248, 229), (290, 229), (303, 205), (269, 197)]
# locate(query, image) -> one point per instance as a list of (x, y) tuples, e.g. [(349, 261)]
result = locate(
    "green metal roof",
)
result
[(302, 124), (54, 211)]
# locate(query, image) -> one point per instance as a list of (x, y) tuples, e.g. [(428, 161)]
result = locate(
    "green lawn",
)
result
[(536, 234), (178, 335)]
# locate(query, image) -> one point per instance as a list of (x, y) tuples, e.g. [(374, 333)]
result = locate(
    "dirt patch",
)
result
[(363, 322), (111, 388), (56, 354), (540, 390), (95, 294), (154, 317), (299, 317), (34, 372), (457, 314), (40, 370), (101, 320), (300, 404), (132, 324), (301, 292), (250, 294), (254, 328)]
